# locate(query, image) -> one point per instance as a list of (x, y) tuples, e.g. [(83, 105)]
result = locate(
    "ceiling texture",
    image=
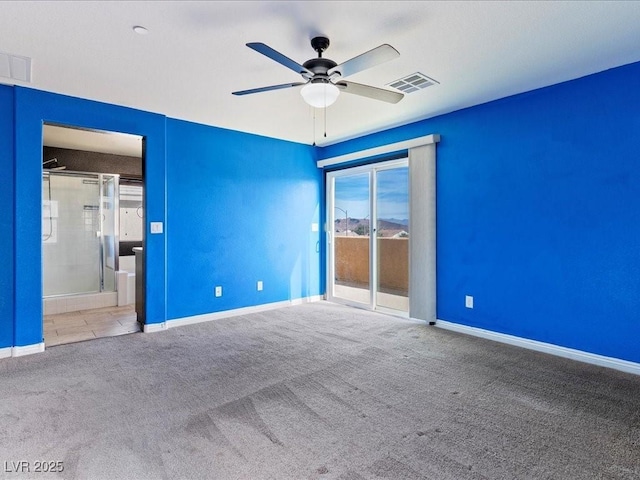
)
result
[(194, 55)]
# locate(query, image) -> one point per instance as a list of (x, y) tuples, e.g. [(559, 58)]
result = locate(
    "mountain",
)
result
[(404, 221), (360, 226)]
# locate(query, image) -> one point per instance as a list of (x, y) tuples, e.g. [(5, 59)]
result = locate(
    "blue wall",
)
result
[(6, 217), (240, 209), (537, 212)]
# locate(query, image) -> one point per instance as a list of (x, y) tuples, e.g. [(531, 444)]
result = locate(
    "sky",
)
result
[(352, 194)]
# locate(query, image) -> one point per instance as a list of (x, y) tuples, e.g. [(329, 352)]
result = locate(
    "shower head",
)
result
[(52, 161)]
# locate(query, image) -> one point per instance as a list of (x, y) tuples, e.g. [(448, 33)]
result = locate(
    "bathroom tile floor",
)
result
[(87, 324)]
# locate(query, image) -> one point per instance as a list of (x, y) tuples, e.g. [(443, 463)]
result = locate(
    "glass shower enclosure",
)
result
[(79, 232)]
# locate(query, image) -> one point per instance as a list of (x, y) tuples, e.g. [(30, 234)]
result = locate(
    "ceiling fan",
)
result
[(323, 78)]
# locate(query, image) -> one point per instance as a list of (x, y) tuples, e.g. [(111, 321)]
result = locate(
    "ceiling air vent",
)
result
[(412, 83), (15, 67)]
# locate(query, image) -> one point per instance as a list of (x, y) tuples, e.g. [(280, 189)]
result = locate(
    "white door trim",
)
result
[(388, 148)]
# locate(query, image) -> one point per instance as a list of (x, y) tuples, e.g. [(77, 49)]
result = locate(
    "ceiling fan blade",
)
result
[(369, 59), (280, 58), (369, 91), (266, 89)]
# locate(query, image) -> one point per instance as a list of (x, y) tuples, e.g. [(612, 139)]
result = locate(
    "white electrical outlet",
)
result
[(218, 291), (468, 301), (259, 285)]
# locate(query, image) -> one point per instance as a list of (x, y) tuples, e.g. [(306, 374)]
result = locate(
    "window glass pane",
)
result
[(392, 238), (351, 238)]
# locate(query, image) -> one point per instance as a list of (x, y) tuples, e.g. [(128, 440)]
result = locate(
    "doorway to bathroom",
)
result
[(92, 225)]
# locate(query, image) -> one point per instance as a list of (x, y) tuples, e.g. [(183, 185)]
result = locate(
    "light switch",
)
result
[(156, 227)]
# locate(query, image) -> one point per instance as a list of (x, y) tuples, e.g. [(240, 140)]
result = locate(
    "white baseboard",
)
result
[(208, 317), (579, 355), (154, 327), (303, 300), (5, 352), (417, 320), (27, 349)]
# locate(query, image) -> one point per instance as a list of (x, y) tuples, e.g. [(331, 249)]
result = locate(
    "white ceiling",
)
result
[(195, 55)]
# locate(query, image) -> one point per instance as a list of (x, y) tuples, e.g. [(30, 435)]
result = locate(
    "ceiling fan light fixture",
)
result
[(320, 94)]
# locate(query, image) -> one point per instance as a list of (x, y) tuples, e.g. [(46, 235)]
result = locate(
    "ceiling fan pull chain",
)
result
[(325, 122), (314, 126)]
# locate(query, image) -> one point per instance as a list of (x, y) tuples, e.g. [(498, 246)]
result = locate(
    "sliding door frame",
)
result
[(422, 215), (371, 170)]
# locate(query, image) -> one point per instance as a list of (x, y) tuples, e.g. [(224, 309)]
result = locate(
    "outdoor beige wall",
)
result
[(393, 257), (352, 262)]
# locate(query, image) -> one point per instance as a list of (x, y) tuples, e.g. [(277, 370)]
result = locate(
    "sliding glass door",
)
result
[(351, 246), (368, 236), (392, 238)]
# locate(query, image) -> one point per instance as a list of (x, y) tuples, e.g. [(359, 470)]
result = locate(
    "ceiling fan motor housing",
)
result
[(319, 67)]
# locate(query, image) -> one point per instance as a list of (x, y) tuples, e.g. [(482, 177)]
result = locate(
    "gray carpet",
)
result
[(316, 391)]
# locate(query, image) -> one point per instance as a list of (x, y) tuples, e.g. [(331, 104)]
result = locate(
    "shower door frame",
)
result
[(116, 227)]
